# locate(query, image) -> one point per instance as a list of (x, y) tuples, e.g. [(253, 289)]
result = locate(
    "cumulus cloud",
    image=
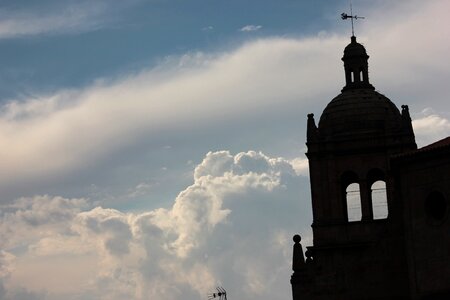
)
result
[(301, 166), (248, 28), (430, 127), (232, 226), (35, 217), (221, 227)]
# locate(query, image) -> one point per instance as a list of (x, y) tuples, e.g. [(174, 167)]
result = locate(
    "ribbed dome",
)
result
[(359, 118), (359, 112)]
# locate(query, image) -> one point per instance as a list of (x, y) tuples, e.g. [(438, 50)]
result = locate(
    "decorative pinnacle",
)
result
[(345, 16)]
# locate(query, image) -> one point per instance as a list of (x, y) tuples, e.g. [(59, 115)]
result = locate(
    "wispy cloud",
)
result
[(249, 28), (72, 18), (108, 116), (208, 28), (206, 92)]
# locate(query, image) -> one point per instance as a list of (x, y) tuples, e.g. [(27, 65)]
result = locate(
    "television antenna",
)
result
[(221, 294), (352, 17)]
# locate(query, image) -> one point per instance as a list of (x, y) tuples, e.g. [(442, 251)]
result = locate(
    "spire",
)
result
[(407, 122), (311, 131), (356, 66)]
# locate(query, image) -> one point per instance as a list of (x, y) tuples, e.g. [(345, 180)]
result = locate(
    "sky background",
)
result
[(155, 149)]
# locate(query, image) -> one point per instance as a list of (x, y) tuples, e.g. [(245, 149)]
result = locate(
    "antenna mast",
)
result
[(221, 294)]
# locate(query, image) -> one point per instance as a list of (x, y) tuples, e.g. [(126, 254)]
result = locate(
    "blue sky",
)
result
[(107, 38), (147, 148), (52, 46)]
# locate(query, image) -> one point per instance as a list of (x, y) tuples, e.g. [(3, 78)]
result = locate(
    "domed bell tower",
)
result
[(357, 133), (356, 223)]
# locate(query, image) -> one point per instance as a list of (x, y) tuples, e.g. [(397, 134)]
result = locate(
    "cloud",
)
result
[(301, 166), (71, 17), (208, 236), (248, 28), (7, 261), (236, 203), (30, 218), (208, 28), (261, 88), (399, 63), (430, 127), (141, 189), (109, 116), (268, 81)]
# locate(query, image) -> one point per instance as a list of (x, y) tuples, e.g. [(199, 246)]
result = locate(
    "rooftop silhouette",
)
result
[(380, 205)]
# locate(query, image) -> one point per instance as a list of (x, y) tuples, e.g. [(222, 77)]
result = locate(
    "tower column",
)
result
[(366, 201)]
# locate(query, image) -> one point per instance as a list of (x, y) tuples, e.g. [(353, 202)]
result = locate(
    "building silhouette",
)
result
[(380, 206)]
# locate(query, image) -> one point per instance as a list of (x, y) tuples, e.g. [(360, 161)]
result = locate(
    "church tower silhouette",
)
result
[(370, 189)]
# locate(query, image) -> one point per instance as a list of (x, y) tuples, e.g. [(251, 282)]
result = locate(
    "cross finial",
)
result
[(345, 16)]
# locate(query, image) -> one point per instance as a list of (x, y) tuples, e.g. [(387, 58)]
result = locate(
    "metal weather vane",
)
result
[(221, 294), (345, 16)]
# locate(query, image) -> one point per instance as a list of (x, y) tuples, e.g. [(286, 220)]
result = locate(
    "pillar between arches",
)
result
[(366, 201)]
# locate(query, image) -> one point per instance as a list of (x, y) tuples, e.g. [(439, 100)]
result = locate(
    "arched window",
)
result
[(379, 200), (361, 76), (352, 76), (353, 198)]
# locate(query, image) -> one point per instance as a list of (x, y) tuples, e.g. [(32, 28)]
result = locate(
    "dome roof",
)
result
[(359, 116), (359, 112), (354, 49)]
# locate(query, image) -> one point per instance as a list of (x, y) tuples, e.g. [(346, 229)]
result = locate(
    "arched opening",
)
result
[(364, 76), (353, 199), (352, 76), (361, 76), (379, 200)]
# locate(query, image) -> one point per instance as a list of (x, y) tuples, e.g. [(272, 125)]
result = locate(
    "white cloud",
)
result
[(206, 92), (400, 49), (6, 262), (68, 18), (141, 189), (236, 204), (106, 117), (301, 166), (208, 28), (33, 218), (248, 28), (164, 253), (430, 128)]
